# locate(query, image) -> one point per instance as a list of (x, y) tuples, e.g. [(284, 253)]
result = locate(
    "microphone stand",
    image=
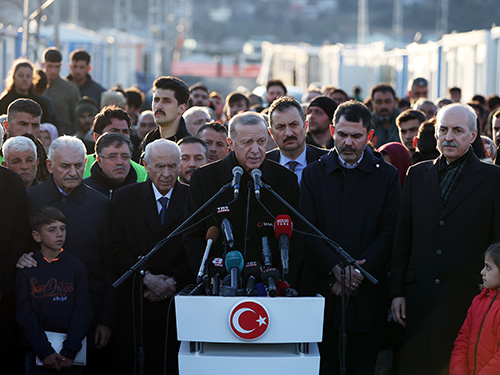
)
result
[(137, 267), (345, 259)]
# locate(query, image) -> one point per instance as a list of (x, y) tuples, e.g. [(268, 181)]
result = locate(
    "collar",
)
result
[(55, 259), (159, 195), (347, 165), (98, 175), (366, 164), (443, 163), (53, 190), (301, 159)]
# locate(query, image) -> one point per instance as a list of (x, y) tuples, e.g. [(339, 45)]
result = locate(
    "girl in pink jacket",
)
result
[(477, 347)]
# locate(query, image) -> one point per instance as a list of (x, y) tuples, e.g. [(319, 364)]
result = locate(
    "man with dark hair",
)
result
[(194, 154), (384, 114), (80, 67), (418, 88), (288, 128), (170, 100), (275, 88), (455, 94), (111, 170), (248, 136), (135, 98), (319, 118), (86, 109), (214, 135), (450, 214), (23, 118), (352, 196), (426, 145), (408, 123), (113, 120), (199, 95), (236, 102), (217, 103), (63, 93)]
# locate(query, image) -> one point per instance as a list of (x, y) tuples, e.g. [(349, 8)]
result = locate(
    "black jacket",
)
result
[(100, 182)]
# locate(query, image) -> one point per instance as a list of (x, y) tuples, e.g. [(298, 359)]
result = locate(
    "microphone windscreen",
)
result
[(234, 259), (213, 233), (283, 225)]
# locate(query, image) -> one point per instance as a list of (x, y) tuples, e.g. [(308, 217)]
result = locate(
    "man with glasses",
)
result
[(113, 119), (112, 167)]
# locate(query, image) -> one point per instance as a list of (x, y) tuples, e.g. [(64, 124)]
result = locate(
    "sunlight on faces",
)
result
[(318, 120), (163, 167), (384, 103), (199, 97), (273, 93), (51, 235), (407, 132), (79, 69), (165, 107), (288, 130), (453, 132), (23, 123), (23, 79), (350, 139), (216, 143), (67, 168), (146, 125), (24, 164), (52, 69), (118, 169), (193, 156), (249, 145), (490, 273)]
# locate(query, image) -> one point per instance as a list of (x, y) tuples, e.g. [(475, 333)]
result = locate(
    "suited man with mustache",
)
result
[(142, 214)]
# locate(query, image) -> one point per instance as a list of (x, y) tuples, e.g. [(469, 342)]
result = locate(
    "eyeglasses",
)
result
[(114, 157)]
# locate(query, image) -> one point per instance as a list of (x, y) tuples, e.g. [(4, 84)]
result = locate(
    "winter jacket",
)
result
[(477, 350)]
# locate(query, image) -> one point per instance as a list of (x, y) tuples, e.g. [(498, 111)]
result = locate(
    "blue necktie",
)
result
[(163, 212), (292, 164)]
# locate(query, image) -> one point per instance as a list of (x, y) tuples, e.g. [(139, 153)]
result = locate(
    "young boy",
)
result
[(53, 297)]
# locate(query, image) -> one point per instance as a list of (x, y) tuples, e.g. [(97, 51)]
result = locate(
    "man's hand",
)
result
[(26, 261), (398, 308), (102, 336), (336, 289), (53, 361), (353, 278), (161, 286), (65, 363)]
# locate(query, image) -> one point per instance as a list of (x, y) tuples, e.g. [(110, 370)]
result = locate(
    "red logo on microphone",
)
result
[(249, 320)]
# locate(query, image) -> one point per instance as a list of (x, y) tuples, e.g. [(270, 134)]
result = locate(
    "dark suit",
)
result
[(357, 208), (313, 153), (438, 255), (14, 239), (207, 180), (135, 229)]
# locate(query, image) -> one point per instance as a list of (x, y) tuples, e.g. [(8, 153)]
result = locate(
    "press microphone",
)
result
[(251, 272), (269, 277), (237, 173), (223, 215), (264, 231), (234, 265), (283, 229), (212, 235), (216, 270), (284, 290), (257, 183)]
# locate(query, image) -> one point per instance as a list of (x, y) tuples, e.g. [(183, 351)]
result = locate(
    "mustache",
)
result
[(450, 144), (119, 167), (347, 148), (159, 111), (71, 178), (290, 138)]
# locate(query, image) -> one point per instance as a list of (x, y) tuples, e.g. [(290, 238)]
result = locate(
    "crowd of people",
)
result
[(92, 179)]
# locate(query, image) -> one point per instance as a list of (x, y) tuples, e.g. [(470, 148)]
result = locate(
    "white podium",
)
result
[(249, 335)]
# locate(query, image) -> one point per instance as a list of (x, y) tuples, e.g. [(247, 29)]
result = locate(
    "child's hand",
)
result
[(53, 361), (65, 363)]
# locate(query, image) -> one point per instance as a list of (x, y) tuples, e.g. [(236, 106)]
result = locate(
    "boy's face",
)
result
[(51, 236)]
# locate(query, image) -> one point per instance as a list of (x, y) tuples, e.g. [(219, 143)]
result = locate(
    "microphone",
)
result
[(269, 277), (212, 235), (216, 270), (251, 272), (237, 173), (234, 265), (264, 231), (284, 290), (283, 229), (257, 183), (223, 215)]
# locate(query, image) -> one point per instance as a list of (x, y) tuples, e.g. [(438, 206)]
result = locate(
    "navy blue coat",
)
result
[(356, 208)]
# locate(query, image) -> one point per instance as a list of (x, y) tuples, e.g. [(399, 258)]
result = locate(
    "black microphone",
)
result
[(237, 173), (212, 235), (269, 277), (265, 230), (223, 215), (283, 229), (257, 183), (216, 270), (251, 272)]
